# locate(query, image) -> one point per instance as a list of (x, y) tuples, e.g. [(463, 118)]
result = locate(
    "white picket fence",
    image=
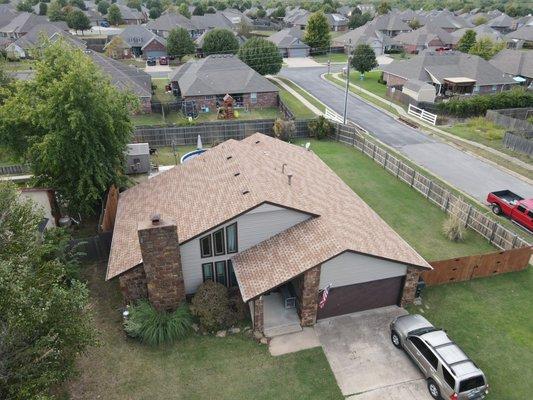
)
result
[(333, 116), (422, 114)]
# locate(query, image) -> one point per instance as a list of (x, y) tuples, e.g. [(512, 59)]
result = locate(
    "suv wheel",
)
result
[(496, 209), (434, 390), (395, 339)]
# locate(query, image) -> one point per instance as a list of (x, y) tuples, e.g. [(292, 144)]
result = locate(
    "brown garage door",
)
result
[(362, 296)]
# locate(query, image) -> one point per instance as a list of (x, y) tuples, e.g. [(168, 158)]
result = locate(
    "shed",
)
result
[(420, 91), (137, 158)]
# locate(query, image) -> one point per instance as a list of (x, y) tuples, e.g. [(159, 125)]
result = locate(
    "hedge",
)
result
[(478, 105)]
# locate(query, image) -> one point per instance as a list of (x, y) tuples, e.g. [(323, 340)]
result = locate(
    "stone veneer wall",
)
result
[(309, 296), (258, 314), (409, 287), (133, 284)]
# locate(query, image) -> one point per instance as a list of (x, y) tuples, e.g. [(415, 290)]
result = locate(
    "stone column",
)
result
[(258, 314), (133, 284), (311, 281), (409, 287), (162, 264)]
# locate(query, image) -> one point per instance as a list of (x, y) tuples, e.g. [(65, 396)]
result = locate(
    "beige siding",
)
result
[(351, 268), (252, 228)]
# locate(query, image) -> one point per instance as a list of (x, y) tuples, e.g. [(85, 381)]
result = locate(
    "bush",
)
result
[(283, 129), (210, 305), (478, 105), (155, 327), (321, 128), (453, 227)]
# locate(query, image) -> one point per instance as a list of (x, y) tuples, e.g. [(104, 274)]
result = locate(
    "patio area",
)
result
[(279, 320)]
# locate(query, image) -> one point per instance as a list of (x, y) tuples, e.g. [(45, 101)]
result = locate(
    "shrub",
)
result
[(283, 129), (155, 327), (453, 227), (321, 128), (210, 305)]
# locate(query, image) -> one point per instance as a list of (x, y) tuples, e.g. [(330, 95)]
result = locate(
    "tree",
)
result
[(220, 41), (43, 8), (103, 7), (154, 13), (5, 83), (114, 15), (261, 55), (199, 10), (72, 126), (184, 10), (244, 30), (78, 3), (44, 318), (467, 41), (134, 4), (364, 59), (358, 19), (486, 48), (179, 43), (114, 49), (260, 13), (77, 20), (24, 6), (211, 10), (480, 20), (317, 34), (55, 12), (221, 5), (279, 13), (383, 8), (414, 24)]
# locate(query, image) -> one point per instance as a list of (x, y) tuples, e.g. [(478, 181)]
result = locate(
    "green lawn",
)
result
[(313, 100), (299, 110), (370, 82), (417, 220), (165, 155), (200, 367), (490, 319), (334, 57), (160, 94)]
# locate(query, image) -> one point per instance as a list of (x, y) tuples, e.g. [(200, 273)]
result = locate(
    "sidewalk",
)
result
[(302, 99)]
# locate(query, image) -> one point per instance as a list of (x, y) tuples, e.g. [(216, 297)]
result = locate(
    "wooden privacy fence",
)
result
[(521, 144), (14, 169), (478, 266), (437, 193)]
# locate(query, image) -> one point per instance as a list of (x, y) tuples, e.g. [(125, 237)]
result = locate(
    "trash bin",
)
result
[(421, 285)]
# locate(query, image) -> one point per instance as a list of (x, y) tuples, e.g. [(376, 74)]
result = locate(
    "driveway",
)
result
[(365, 363), (464, 171), (300, 62)]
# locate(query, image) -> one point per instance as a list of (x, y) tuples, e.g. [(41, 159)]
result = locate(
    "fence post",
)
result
[(468, 214), (374, 152), (413, 178), (386, 158), (447, 203), (513, 244), (363, 145), (494, 227), (429, 189)]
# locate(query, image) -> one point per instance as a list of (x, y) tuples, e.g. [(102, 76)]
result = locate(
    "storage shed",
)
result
[(420, 91), (137, 158)]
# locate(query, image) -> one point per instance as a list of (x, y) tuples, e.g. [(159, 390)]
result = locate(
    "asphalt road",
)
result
[(466, 172)]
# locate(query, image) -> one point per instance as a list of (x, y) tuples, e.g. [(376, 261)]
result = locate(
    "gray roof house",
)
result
[(366, 34), (337, 22), (131, 16), (426, 37), (6, 15), (289, 42), (168, 21), (390, 24), (143, 42), (516, 63), (521, 36), (24, 22), (502, 23), (211, 21), (448, 21), (482, 31), (453, 73)]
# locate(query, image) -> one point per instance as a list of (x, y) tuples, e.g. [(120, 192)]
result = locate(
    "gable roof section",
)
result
[(424, 35), (23, 22), (48, 30), (514, 62), (168, 21), (288, 38), (220, 74), (524, 33)]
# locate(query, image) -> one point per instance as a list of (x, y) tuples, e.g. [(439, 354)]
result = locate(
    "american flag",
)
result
[(325, 293)]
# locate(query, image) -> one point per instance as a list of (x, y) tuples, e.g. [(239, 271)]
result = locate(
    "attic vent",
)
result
[(257, 141), (245, 192), (229, 157), (236, 174)]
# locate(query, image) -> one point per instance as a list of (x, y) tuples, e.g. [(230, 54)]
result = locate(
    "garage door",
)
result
[(155, 53), (362, 296), (298, 52)]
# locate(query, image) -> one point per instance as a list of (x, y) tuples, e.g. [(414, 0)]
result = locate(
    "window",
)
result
[(494, 88), (218, 240), (471, 383), (253, 97), (231, 275), (205, 246), (530, 214), (231, 238), (425, 351), (522, 209), (448, 378), (207, 271), (220, 267)]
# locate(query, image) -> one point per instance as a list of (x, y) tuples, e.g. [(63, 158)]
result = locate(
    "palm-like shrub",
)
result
[(452, 226), (155, 327)]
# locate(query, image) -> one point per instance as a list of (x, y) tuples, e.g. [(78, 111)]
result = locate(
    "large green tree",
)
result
[(261, 55), (103, 7), (114, 16), (358, 19), (220, 41), (184, 10), (44, 319), (364, 59), (383, 8), (71, 124), (179, 43), (317, 34), (467, 41), (486, 48), (77, 20)]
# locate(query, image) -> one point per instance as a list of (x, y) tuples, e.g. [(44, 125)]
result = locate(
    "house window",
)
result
[(253, 97), (218, 240), (231, 238), (207, 271), (231, 275), (205, 246), (494, 88), (220, 267)]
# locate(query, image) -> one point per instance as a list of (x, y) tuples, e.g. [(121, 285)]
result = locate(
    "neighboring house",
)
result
[(131, 16), (206, 22), (451, 72), (23, 46), (24, 22), (515, 63), (6, 15), (448, 21), (366, 34), (168, 21), (390, 25), (126, 78), (236, 17), (345, 10), (94, 16), (482, 32), (289, 42), (427, 37), (137, 158), (262, 216), (419, 91), (337, 22), (207, 81), (522, 37), (140, 42), (367, 8), (503, 24)]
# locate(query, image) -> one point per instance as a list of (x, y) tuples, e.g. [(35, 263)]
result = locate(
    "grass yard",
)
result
[(200, 367), (490, 319), (370, 83), (296, 106), (263, 33), (160, 94), (314, 101), (7, 157), (165, 155), (417, 220), (334, 57)]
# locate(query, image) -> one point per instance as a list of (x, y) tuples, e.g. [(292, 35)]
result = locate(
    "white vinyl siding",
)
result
[(351, 268), (253, 227)]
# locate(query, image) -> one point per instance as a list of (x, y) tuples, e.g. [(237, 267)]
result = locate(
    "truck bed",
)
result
[(508, 196)]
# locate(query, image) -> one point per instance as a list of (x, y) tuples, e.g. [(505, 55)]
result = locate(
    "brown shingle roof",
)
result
[(205, 192)]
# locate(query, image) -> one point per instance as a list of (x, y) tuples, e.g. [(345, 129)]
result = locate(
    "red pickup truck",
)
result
[(513, 206)]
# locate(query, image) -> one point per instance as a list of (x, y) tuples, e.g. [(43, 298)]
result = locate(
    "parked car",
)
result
[(104, 24), (449, 372), (163, 60), (151, 61), (505, 202)]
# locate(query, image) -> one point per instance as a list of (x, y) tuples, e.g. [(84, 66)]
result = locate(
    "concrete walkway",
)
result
[(302, 99), (293, 342)]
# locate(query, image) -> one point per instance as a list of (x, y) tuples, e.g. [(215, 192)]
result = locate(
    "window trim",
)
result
[(225, 269), (202, 255), (236, 239), (212, 272), (221, 230)]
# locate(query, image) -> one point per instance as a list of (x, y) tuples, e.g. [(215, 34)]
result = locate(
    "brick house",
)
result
[(208, 80), (137, 41), (427, 37), (266, 217)]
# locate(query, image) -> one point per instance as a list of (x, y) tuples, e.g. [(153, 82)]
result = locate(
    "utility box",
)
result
[(137, 158)]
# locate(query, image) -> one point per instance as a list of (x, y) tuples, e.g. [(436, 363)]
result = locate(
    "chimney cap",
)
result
[(155, 218)]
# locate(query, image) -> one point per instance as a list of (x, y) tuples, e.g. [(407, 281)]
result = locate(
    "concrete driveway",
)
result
[(365, 363), (300, 62)]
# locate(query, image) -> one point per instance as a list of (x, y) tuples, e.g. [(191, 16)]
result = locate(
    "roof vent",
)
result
[(283, 167), (290, 178), (155, 218), (229, 157), (257, 141), (245, 192)]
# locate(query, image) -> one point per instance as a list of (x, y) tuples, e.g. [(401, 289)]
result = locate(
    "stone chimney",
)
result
[(162, 263)]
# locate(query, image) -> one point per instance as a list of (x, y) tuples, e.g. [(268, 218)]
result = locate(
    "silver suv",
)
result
[(449, 372)]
